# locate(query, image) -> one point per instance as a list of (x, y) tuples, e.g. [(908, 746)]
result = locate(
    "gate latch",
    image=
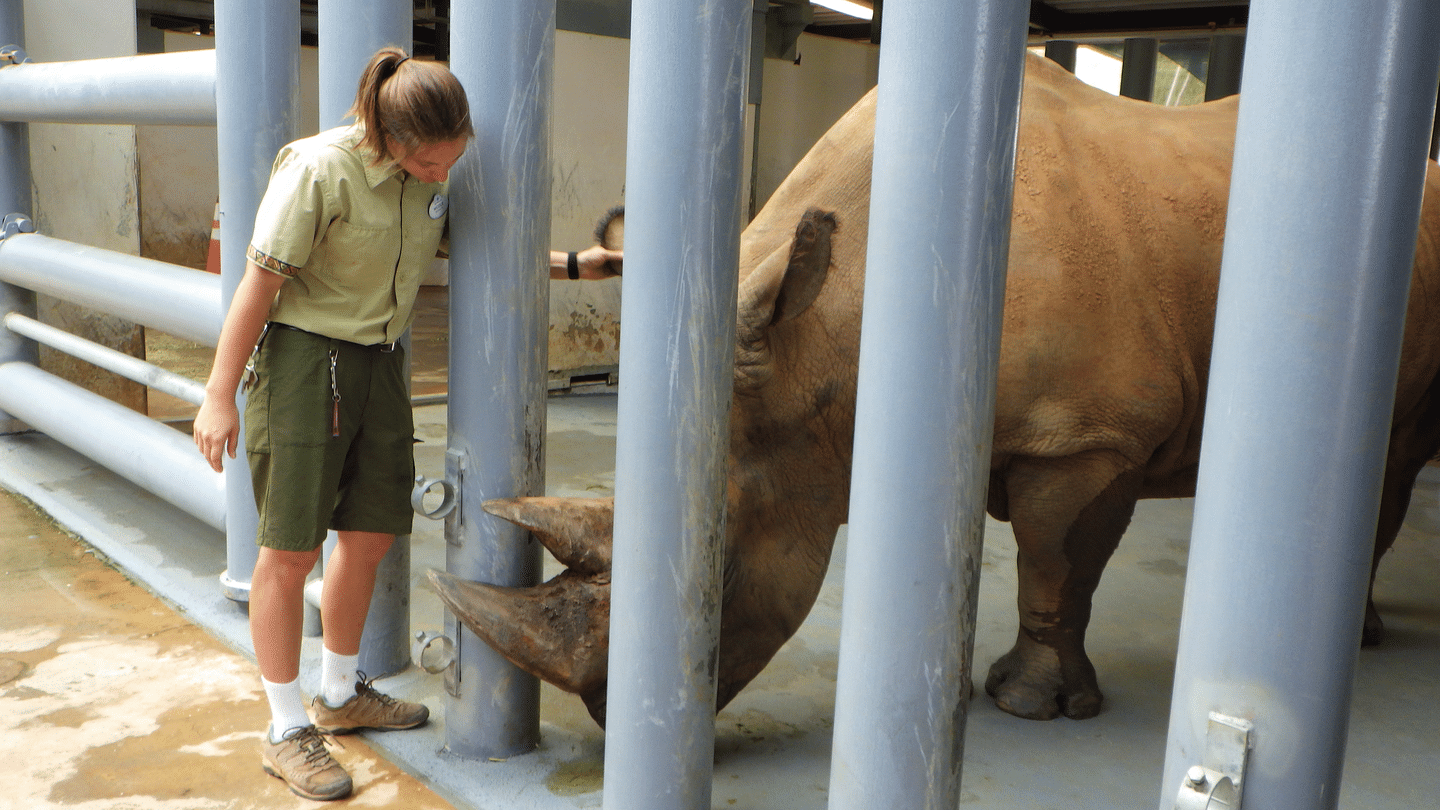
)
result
[(1217, 782)]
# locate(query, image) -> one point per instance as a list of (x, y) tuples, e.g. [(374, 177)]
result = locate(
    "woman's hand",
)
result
[(598, 261), (217, 430)]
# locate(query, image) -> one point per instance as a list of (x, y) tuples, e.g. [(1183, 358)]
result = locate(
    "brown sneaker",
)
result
[(303, 761), (368, 709)]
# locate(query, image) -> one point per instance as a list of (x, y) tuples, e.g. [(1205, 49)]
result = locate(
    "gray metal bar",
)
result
[(14, 197), (1061, 52), (1316, 270), (155, 457), (945, 127), (499, 314), (160, 88), (350, 33), (174, 299), (131, 368), (1137, 68), (257, 99), (689, 64), (1227, 58)]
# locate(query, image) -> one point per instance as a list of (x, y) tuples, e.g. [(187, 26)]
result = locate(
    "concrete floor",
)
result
[(772, 742)]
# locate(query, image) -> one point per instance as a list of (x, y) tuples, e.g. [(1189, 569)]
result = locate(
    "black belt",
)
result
[(382, 347)]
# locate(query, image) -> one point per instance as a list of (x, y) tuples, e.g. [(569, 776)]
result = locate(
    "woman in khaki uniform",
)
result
[(350, 220)]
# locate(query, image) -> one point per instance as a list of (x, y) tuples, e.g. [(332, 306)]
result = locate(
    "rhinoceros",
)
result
[(1119, 214)]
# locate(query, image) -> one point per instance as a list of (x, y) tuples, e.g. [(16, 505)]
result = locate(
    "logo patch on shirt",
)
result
[(438, 206)]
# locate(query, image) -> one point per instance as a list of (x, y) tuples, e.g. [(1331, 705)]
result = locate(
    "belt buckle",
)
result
[(387, 348)]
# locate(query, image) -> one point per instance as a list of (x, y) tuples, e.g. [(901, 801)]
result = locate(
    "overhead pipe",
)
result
[(689, 66), (1321, 230), (257, 99), (150, 454), (499, 314), (945, 129), (162, 88), (351, 31), (173, 299), (131, 368)]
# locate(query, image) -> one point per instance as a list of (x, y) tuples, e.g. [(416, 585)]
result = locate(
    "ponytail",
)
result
[(414, 103)]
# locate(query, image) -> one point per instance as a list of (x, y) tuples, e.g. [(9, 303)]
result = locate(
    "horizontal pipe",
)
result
[(176, 300), (131, 368), (161, 88), (154, 457)]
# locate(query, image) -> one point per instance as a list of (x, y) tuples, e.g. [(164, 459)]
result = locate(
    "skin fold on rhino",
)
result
[(1119, 213)]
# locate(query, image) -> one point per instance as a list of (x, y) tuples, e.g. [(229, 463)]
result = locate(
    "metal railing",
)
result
[(152, 89)]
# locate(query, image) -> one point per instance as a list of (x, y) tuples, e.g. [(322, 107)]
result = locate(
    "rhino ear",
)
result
[(780, 290)]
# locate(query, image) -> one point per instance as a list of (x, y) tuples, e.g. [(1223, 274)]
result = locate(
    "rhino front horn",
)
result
[(558, 632)]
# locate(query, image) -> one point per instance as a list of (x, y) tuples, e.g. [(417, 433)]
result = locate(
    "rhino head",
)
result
[(786, 496)]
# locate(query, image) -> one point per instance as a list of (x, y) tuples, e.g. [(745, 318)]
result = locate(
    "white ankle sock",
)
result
[(287, 708), (337, 676)]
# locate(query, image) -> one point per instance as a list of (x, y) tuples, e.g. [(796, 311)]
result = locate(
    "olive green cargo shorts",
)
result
[(319, 463)]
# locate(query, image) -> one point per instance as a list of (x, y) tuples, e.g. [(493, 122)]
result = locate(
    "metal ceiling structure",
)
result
[(1080, 20)]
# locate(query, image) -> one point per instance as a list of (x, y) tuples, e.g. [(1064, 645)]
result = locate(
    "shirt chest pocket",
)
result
[(359, 257)]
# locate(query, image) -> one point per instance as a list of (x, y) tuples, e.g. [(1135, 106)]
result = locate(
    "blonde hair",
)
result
[(415, 103)]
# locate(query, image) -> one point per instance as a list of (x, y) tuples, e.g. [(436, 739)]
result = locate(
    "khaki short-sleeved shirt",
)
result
[(354, 240)]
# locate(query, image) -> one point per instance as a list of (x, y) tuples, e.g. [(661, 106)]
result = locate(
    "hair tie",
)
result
[(401, 61)]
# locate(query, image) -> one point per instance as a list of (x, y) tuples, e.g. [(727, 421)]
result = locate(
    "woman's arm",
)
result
[(594, 263), (217, 425)]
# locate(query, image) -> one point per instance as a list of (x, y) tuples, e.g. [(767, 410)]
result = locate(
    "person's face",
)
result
[(430, 163)]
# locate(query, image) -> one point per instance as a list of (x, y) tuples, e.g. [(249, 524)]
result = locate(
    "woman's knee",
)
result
[(287, 567)]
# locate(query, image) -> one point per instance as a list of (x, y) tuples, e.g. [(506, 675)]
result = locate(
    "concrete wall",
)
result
[(84, 176), (178, 171)]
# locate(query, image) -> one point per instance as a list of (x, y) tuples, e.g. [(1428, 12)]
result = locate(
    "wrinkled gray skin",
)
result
[(1119, 212)]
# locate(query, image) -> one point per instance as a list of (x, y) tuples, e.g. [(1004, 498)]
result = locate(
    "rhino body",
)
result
[(1118, 218)]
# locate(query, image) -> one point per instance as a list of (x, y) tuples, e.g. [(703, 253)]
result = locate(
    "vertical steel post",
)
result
[(14, 199), (257, 100), (1137, 68), (1227, 59), (1061, 52), (945, 130), (1316, 270), (689, 65), (350, 31), (499, 311)]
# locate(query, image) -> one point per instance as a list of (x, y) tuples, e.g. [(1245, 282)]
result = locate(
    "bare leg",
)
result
[(277, 594), (349, 582)]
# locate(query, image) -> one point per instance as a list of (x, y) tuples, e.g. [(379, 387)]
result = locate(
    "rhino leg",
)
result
[(1068, 515), (1401, 469)]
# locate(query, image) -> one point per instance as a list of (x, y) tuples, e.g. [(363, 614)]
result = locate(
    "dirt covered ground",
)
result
[(110, 700)]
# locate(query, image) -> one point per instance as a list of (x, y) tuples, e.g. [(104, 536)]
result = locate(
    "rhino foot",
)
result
[(1037, 682)]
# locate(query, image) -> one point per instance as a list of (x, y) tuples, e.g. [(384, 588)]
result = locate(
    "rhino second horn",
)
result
[(578, 531), (558, 632)]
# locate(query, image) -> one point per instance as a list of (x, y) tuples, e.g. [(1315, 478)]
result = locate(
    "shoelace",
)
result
[(364, 688), (312, 744)]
